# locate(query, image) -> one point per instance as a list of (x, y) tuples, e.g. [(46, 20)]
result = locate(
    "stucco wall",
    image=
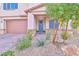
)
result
[(40, 9), (69, 25), (29, 5), (2, 26), (31, 21), (19, 11), (47, 23)]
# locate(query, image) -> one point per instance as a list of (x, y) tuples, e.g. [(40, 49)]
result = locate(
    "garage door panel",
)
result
[(16, 26)]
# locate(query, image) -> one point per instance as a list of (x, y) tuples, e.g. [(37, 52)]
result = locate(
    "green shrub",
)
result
[(40, 43), (29, 35), (48, 36), (64, 35), (25, 42), (74, 24), (8, 53)]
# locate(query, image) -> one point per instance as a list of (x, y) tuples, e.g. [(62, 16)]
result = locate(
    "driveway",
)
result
[(7, 41)]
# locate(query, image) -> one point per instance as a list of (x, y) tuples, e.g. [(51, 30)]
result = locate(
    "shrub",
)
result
[(8, 53), (25, 42), (64, 35), (29, 35), (48, 36), (74, 24), (40, 43)]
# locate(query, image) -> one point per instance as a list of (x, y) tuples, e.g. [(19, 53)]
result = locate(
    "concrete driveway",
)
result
[(8, 41)]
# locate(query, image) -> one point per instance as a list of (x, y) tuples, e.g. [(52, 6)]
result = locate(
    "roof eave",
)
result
[(34, 7)]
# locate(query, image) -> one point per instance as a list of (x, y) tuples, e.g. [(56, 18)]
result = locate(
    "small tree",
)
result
[(75, 17), (54, 11), (64, 11)]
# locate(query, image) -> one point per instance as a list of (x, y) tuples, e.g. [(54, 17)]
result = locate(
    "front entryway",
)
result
[(40, 24)]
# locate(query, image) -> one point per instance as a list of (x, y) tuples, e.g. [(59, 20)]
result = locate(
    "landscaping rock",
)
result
[(47, 50)]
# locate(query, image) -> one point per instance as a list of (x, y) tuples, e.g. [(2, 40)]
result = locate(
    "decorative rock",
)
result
[(70, 50)]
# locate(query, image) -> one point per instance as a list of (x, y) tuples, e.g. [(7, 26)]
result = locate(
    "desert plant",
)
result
[(48, 36), (29, 35), (25, 42), (41, 43), (74, 26), (8, 53), (64, 36)]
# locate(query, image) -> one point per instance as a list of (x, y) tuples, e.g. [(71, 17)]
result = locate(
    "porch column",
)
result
[(47, 24), (2, 26), (31, 22), (69, 25)]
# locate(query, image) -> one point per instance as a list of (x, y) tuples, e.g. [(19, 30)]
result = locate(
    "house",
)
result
[(18, 18)]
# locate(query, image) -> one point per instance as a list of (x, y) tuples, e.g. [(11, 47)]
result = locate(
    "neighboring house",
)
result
[(16, 18)]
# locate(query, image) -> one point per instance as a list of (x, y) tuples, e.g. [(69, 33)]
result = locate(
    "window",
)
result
[(57, 24), (51, 24), (10, 6)]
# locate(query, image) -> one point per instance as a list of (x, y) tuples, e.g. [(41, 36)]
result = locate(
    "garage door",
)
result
[(16, 26)]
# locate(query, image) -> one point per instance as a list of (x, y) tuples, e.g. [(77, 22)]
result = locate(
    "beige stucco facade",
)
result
[(19, 14)]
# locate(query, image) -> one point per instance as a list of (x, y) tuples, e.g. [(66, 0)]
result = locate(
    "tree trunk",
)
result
[(66, 27), (54, 36), (55, 31)]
